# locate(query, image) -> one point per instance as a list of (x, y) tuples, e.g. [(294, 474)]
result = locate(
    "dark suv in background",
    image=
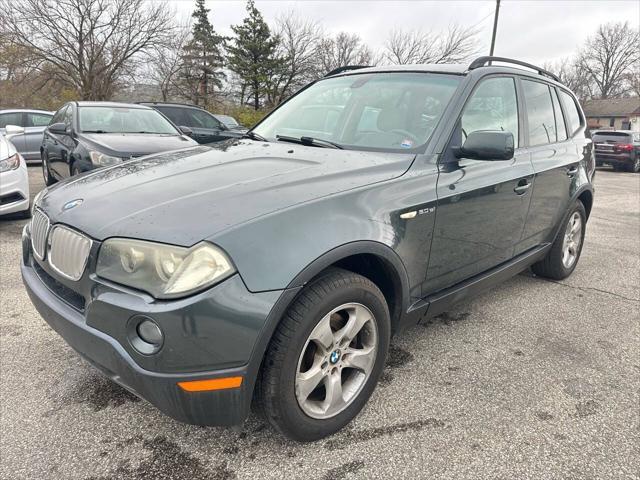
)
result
[(205, 127), (274, 269), (620, 149)]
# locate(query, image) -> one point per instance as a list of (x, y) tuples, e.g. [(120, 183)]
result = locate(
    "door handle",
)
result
[(572, 171), (522, 187)]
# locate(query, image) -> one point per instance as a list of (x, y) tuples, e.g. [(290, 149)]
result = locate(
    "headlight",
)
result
[(103, 160), (164, 271), (10, 163)]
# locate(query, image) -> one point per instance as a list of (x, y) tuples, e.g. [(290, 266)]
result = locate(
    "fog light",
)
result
[(150, 332), (144, 335)]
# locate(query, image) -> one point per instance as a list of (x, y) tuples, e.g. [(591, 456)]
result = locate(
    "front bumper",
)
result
[(201, 340), (14, 190)]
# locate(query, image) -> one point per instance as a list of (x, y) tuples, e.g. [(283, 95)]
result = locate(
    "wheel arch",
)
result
[(373, 260), (586, 197)]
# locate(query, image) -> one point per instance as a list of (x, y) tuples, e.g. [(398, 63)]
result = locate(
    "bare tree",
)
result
[(573, 75), (166, 63), (89, 45), (455, 45), (299, 41), (342, 50), (609, 56)]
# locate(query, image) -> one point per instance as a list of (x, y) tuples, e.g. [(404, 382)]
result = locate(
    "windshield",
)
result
[(380, 111), (123, 120)]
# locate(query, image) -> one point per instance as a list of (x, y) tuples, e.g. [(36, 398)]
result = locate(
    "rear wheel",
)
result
[(567, 247), (46, 173), (635, 168), (326, 356)]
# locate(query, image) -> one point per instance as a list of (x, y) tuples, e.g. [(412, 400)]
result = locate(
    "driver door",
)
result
[(482, 204)]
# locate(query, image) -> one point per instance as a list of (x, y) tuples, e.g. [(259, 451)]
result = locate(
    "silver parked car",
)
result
[(34, 122)]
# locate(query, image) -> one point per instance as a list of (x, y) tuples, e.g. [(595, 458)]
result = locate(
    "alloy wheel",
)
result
[(336, 361), (572, 240)]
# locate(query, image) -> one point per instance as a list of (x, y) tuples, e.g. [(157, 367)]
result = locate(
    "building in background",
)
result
[(613, 114)]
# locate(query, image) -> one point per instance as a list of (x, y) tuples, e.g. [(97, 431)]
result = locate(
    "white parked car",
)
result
[(14, 179)]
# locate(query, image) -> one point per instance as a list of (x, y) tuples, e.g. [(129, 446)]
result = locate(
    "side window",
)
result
[(573, 115), (201, 119), (173, 114), (493, 106), (59, 115), (542, 123), (38, 119), (561, 130), (12, 118), (67, 116)]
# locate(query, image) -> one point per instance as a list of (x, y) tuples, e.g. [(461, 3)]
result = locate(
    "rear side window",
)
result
[(542, 123), (561, 130), (13, 118), (38, 120), (573, 116), (493, 106), (173, 114)]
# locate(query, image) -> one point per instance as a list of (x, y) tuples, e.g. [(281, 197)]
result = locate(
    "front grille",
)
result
[(68, 252), (39, 231)]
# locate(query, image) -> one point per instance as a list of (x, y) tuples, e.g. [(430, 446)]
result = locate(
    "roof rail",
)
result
[(482, 61), (346, 68), (172, 103)]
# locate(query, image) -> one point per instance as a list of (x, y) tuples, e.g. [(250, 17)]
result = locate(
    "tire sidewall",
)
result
[(292, 414), (577, 207)]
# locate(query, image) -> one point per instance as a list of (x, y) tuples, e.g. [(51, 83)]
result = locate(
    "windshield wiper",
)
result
[(310, 141), (93, 131), (254, 136)]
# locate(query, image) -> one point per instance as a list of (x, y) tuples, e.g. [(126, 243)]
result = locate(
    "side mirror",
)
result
[(487, 145), (186, 130), (13, 130), (59, 127)]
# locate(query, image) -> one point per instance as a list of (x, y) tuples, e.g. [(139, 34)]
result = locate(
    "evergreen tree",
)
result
[(253, 54), (202, 58)]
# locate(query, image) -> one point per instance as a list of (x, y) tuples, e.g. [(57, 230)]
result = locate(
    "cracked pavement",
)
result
[(533, 379)]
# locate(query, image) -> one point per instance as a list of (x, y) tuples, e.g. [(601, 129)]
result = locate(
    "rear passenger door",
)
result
[(555, 161), (482, 205)]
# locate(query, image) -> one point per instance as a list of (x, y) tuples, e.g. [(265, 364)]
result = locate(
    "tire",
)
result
[(555, 265), (635, 168), (46, 172), (292, 353)]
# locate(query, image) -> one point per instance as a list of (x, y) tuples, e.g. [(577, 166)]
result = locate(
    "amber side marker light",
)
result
[(212, 384)]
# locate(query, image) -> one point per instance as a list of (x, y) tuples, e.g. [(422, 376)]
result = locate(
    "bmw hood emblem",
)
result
[(72, 204)]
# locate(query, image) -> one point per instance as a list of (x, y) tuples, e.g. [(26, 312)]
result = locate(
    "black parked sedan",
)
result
[(87, 135), (206, 127)]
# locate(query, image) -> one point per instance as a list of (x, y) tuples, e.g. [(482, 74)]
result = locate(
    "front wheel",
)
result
[(567, 247), (326, 356)]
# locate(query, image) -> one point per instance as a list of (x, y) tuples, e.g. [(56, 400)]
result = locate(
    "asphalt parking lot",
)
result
[(534, 379)]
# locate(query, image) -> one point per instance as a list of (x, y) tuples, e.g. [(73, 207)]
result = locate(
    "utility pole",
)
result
[(495, 27)]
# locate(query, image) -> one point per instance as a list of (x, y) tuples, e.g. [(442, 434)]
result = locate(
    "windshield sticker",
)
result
[(406, 143)]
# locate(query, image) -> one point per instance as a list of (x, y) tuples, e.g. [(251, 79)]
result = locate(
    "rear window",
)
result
[(615, 136), (571, 109)]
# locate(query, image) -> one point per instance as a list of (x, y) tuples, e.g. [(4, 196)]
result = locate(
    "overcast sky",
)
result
[(534, 31)]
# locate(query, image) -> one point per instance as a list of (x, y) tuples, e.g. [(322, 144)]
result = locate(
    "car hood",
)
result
[(186, 196), (136, 145)]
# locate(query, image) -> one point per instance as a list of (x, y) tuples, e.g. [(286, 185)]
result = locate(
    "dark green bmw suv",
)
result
[(274, 269)]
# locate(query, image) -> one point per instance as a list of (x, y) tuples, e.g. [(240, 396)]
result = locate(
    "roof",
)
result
[(110, 104), (612, 107), (170, 104), (456, 69)]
